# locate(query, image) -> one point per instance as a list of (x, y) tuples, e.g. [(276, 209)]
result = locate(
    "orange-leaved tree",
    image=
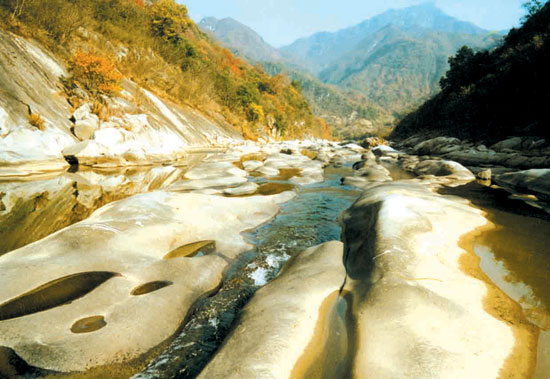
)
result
[(97, 74)]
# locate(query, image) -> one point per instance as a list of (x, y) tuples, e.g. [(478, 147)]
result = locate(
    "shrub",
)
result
[(98, 75), (256, 113), (169, 20), (37, 121)]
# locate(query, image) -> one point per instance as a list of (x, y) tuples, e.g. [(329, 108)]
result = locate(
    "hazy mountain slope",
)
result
[(347, 111), (398, 68), (240, 39), (321, 49), (493, 94)]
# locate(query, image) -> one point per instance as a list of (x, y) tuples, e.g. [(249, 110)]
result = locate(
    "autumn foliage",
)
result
[(160, 48), (37, 121), (95, 73)]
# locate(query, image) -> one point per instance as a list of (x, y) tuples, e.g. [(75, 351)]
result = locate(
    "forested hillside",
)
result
[(395, 59), (348, 112), (398, 68), (158, 46), (488, 95), (363, 78)]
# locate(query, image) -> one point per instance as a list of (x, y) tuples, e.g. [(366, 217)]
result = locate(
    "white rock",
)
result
[(252, 165), (244, 189), (5, 122), (83, 112), (210, 170), (268, 171), (417, 310), (199, 184), (304, 180), (130, 238), (84, 129), (383, 150), (444, 168)]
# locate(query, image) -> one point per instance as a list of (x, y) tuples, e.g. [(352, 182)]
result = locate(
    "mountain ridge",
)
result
[(323, 47), (491, 95), (385, 66), (243, 40)]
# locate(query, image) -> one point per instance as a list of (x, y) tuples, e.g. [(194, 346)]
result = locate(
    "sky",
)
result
[(281, 22)]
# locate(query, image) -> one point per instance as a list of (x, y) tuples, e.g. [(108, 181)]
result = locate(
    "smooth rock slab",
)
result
[(278, 324), (444, 168), (210, 183), (535, 181), (247, 188), (129, 239), (418, 312)]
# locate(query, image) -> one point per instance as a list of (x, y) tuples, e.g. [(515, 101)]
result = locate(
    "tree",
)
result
[(256, 113), (458, 74), (95, 73), (169, 20), (532, 7)]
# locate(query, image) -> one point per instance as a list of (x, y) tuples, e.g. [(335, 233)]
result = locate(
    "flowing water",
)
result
[(310, 219)]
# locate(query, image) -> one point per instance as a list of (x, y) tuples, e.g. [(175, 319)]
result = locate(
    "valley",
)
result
[(184, 200)]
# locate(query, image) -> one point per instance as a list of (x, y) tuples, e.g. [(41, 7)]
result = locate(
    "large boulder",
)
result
[(421, 305), (513, 143), (444, 168), (535, 181), (438, 145), (85, 129)]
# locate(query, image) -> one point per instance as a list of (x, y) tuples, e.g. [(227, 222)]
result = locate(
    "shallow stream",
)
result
[(514, 254)]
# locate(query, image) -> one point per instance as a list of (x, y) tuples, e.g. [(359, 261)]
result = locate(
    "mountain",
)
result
[(489, 95), (394, 59), (397, 68), (240, 39), (319, 50), (347, 111), (157, 46)]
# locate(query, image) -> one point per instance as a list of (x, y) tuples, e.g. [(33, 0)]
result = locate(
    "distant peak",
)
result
[(209, 20), (430, 5)]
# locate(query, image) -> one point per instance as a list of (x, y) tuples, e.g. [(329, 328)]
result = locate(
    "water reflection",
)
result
[(31, 208), (515, 256)]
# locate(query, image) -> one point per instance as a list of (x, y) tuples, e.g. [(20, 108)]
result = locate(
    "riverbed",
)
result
[(513, 254)]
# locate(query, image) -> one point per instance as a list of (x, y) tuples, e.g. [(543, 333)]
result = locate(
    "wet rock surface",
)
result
[(33, 209), (416, 310), (131, 237), (277, 325)]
